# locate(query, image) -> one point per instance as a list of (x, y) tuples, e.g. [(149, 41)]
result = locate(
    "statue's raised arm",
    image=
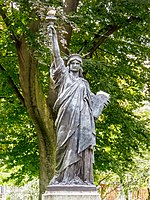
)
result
[(55, 46)]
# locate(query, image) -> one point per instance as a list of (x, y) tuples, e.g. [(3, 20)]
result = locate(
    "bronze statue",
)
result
[(77, 108)]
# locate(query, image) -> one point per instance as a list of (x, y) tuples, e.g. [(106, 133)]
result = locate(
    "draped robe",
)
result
[(75, 124)]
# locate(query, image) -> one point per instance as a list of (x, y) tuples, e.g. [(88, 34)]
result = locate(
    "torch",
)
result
[(50, 18)]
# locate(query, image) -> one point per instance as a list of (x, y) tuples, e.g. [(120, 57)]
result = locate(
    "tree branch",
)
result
[(100, 38), (13, 85), (112, 190), (34, 27), (69, 6), (7, 22)]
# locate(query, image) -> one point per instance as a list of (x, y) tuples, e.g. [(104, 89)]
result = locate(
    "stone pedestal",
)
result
[(71, 192)]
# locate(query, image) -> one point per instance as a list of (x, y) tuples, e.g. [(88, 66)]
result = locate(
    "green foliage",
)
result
[(27, 192), (133, 180), (120, 132), (94, 17), (139, 175), (19, 152)]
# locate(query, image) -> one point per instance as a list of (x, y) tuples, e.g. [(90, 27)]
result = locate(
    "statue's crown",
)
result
[(74, 57)]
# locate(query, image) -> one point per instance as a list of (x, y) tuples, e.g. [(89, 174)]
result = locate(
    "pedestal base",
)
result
[(69, 192)]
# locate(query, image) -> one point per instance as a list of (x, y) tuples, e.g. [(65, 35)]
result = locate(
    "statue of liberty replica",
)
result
[(77, 108)]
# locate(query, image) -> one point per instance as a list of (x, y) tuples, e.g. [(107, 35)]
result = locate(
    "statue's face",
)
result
[(75, 65)]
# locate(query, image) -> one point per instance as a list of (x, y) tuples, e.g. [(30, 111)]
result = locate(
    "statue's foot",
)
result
[(87, 182), (77, 181), (54, 181)]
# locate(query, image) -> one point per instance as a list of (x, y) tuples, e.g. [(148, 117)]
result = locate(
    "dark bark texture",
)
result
[(39, 111)]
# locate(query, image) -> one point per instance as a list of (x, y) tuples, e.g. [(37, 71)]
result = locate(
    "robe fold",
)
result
[(75, 124)]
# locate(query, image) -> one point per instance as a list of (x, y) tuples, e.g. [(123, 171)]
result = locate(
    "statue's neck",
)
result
[(75, 74)]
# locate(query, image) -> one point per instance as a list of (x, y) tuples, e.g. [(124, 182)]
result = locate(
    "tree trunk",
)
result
[(69, 6), (148, 189), (39, 111)]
